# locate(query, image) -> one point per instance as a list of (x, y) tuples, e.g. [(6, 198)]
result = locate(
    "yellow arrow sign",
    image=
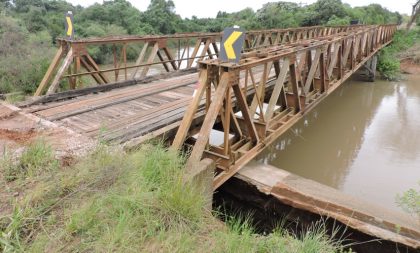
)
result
[(230, 52), (69, 26)]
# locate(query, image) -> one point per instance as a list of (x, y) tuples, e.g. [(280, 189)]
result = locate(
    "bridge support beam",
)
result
[(172, 59), (301, 75), (370, 68)]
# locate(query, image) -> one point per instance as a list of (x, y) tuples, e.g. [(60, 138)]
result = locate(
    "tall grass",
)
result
[(116, 202), (37, 158)]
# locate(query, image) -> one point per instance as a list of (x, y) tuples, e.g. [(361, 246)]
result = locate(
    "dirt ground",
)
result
[(410, 66), (410, 60), (17, 129)]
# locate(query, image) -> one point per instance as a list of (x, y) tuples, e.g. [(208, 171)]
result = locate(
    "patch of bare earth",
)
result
[(410, 60), (17, 130), (410, 66)]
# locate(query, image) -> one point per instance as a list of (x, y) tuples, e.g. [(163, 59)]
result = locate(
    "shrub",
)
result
[(389, 64), (409, 201), (24, 56)]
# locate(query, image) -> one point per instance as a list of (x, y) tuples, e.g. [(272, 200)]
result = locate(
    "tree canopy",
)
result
[(30, 27), (161, 17)]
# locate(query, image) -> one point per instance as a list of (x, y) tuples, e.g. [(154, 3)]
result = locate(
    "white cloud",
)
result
[(209, 8)]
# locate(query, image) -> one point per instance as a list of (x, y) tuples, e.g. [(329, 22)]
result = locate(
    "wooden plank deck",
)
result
[(122, 114)]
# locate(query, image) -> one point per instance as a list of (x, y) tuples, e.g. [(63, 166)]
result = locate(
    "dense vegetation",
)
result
[(389, 64), (28, 28), (116, 202)]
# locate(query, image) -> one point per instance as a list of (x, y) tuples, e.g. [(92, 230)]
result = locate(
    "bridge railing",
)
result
[(292, 79), (134, 57)]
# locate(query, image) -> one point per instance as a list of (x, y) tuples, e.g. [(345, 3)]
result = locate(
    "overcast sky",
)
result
[(209, 8)]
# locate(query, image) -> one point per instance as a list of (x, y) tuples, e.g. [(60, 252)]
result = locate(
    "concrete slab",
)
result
[(314, 197)]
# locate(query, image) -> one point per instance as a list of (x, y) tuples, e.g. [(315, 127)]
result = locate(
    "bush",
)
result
[(25, 56), (409, 201), (389, 64)]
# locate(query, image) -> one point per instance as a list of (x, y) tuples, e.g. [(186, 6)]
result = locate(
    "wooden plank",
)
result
[(107, 87), (109, 103)]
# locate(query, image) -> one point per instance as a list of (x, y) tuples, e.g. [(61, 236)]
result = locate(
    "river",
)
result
[(363, 139)]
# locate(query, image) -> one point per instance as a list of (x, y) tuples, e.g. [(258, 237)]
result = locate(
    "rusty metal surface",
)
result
[(74, 63), (304, 73)]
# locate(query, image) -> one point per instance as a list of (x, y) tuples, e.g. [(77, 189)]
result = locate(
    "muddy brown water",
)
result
[(364, 139)]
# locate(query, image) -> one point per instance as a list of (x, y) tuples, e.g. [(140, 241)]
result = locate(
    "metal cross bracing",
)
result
[(73, 61), (299, 76)]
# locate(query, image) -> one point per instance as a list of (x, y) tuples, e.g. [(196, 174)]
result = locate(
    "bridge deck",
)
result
[(122, 113)]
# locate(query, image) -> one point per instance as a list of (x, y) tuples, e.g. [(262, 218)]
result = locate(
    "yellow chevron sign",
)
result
[(231, 45), (69, 26), (68, 23), (230, 52)]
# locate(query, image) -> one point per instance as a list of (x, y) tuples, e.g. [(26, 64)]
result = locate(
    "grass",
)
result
[(389, 64), (409, 201), (111, 201), (37, 158)]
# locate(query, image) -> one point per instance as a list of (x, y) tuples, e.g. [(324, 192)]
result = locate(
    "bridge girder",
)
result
[(299, 76), (172, 52)]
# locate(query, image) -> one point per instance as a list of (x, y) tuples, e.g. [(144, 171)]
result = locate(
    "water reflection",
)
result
[(364, 139)]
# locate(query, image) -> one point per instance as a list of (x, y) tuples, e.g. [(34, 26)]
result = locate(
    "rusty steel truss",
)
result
[(296, 76), (74, 63)]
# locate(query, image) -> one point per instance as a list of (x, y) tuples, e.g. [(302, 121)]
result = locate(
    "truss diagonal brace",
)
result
[(182, 132), (209, 120)]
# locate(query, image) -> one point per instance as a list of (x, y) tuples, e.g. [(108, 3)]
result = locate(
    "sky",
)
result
[(209, 8)]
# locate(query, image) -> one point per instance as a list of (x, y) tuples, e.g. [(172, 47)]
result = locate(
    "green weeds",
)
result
[(111, 201), (389, 64)]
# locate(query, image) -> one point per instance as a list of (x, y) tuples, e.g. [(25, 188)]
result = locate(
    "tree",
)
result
[(320, 12), (279, 15), (414, 14), (5, 4), (161, 16)]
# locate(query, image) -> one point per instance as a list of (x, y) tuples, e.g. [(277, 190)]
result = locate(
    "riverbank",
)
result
[(402, 56), (410, 60)]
